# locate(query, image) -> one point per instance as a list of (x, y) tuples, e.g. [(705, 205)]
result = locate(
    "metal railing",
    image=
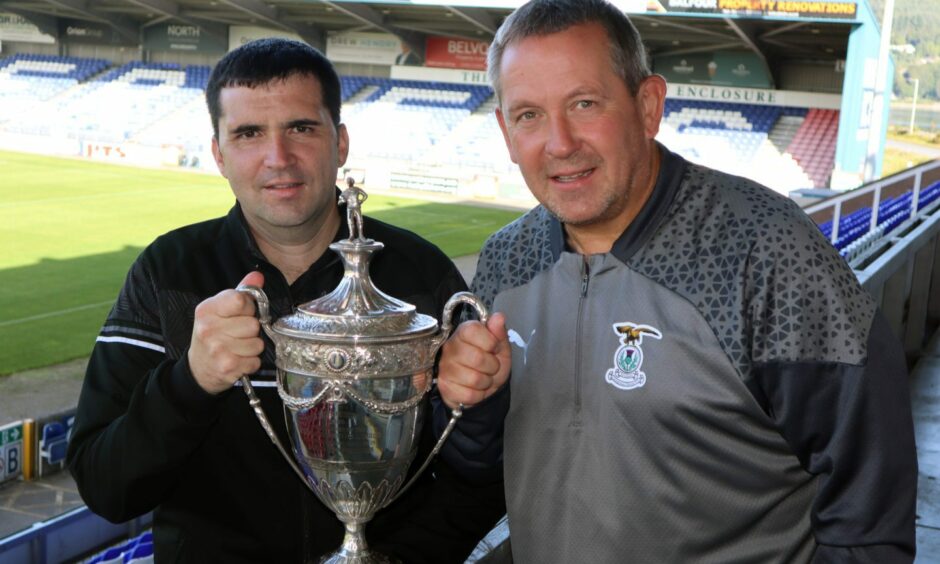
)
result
[(67, 538), (902, 269)]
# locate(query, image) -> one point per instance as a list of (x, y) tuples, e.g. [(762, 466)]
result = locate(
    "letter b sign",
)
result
[(13, 460)]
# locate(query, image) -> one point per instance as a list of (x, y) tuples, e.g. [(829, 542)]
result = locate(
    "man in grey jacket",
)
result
[(696, 375)]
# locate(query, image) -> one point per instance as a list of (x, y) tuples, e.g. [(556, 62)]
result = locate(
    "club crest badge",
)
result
[(628, 358)]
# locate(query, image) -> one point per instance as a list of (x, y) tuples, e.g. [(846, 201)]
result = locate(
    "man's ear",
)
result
[(502, 127), (342, 144), (217, 155), (651, 99)]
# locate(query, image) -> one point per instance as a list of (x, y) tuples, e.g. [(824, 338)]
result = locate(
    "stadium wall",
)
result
[(117, 55), (11, 48)]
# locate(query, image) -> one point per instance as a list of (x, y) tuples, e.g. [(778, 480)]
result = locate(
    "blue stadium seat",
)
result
[(54, 442)]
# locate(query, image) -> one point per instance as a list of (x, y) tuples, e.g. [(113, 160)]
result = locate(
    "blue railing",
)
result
[(66, 538)]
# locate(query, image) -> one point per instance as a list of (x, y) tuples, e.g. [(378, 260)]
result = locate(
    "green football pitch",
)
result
[(69, 230)]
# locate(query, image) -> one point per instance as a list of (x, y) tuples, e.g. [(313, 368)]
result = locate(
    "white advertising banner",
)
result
[(757, 96), (17, 28), (238, 35), (458, 76), (363, 47)]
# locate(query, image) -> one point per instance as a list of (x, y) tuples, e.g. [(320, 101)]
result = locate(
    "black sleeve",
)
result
[(475, 446), (851, 426), (140, 414)]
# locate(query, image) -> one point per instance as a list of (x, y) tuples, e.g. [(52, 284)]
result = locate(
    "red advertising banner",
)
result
[(455, 53)]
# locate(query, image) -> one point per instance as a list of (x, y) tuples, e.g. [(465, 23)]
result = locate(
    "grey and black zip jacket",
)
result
[(716, 388)]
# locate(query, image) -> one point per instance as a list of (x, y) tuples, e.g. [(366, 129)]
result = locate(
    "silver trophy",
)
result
[(353, 368)]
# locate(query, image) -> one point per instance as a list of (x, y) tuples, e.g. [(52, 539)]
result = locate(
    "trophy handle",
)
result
[(447, 327), (264, 316), (264, 307)]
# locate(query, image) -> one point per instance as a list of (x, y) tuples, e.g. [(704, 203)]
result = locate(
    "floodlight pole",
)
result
[(881, 81), (914, 105)]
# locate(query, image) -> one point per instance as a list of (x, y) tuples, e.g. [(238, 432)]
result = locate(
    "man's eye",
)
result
[(303, 128), (247, 134), (584, 104), (526, 116)]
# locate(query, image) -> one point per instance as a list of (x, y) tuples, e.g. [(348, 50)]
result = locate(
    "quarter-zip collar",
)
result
[(241, 232), (644, 225)]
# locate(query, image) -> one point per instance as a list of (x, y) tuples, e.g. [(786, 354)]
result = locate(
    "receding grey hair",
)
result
[(544, 17)]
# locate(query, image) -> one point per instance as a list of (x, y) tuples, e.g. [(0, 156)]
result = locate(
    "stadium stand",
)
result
[(415, 122), (814, 145), (153, 104), (407, 119), (27, 80), (782, 147)]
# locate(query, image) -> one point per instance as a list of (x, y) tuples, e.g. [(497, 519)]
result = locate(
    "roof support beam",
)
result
[(165, 7), (782, 29), (259, 11), (746, 38), (262, 12), (687, 28), (702, 49), (479, 18), (171, 10)]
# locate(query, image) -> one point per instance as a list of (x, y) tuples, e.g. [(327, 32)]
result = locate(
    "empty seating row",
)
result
[(416, 92), (814, 145), (117, 106), (892, 212), (783, 147), (48, 66), (153, 74)]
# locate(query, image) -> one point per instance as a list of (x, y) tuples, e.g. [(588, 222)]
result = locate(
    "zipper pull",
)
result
[(584, 279)]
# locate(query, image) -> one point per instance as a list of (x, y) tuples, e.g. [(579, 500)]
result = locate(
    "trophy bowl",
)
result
[(353, 370)]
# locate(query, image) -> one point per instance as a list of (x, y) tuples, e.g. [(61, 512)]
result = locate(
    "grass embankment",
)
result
[(896, 160)]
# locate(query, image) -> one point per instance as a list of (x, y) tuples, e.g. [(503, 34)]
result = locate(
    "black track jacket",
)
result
[(147, 437)]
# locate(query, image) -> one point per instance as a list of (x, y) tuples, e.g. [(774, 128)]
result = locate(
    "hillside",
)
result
[(916, 22)]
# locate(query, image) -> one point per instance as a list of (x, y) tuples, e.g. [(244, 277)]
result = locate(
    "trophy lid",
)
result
[(356, 310)]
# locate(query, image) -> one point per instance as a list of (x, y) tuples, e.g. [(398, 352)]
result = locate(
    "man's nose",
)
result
[(562, 140), (278, 152)]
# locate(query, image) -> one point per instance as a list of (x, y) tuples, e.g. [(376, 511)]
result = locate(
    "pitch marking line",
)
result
[(54, 313)]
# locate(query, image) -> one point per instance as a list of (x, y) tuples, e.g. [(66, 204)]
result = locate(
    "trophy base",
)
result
[(361, 558), (355, 550)]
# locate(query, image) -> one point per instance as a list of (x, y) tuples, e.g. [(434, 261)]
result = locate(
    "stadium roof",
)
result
[(773, 39)]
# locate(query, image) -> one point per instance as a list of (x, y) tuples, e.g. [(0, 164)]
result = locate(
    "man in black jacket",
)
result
[(159, 426)]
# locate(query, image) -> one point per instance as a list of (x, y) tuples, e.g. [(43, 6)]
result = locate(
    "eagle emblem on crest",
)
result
[(628, 358)]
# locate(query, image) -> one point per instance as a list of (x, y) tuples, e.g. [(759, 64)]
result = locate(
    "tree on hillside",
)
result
[(918, 23)]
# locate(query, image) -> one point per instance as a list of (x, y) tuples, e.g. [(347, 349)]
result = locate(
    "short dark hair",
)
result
[(545, 17), (262, 61)]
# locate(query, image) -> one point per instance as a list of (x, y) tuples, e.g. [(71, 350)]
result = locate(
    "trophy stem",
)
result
[(355, 550)]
